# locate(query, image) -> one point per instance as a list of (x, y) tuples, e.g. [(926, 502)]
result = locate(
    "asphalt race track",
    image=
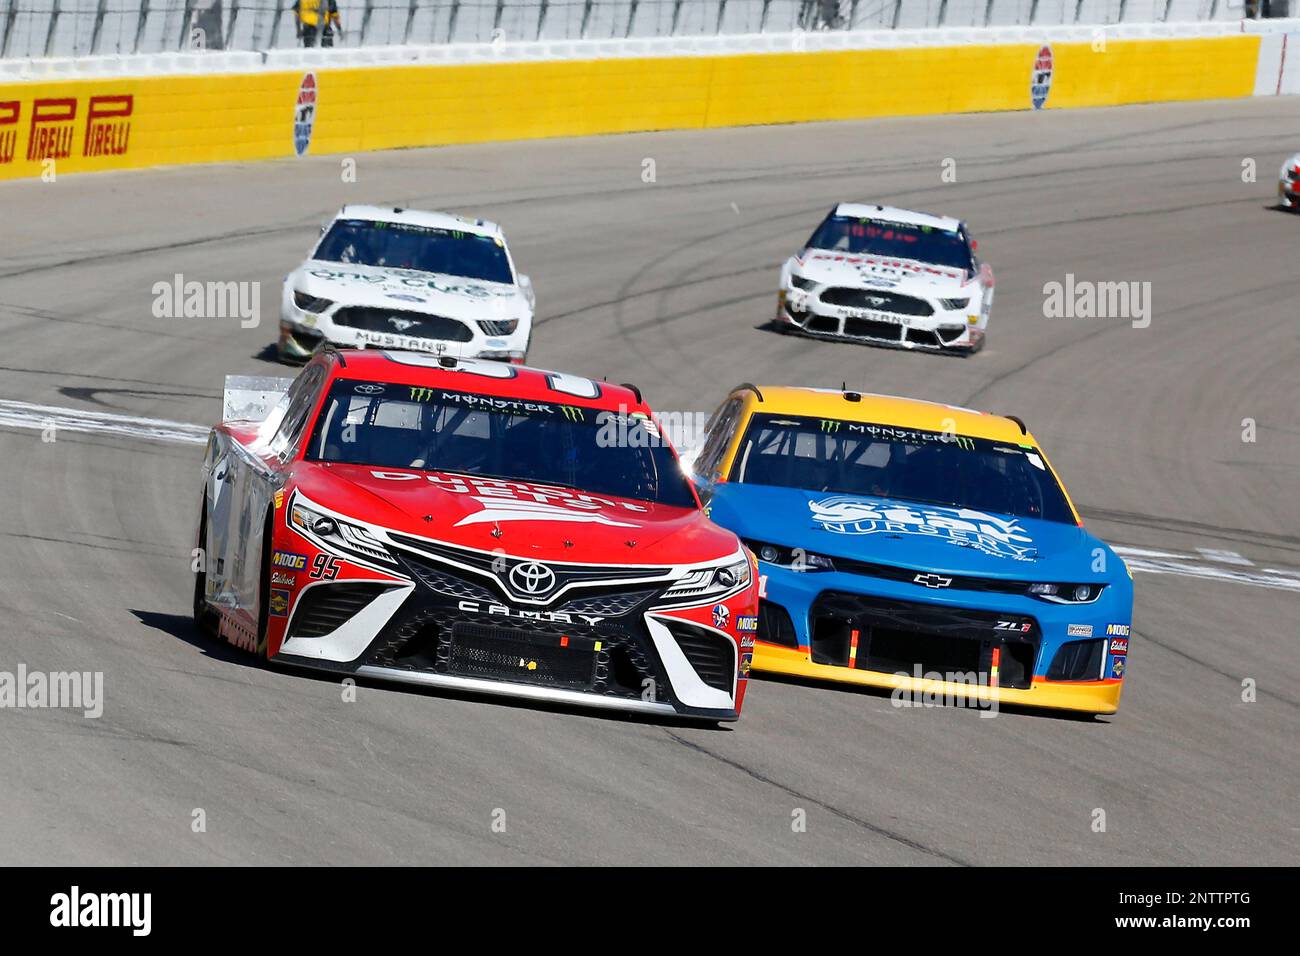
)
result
[(669, 285)]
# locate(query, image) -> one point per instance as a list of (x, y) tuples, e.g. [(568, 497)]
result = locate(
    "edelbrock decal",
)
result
[(999, 537)]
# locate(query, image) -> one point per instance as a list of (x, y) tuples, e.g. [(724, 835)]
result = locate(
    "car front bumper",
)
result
[(977, 646), (440, 630), (934, 333)]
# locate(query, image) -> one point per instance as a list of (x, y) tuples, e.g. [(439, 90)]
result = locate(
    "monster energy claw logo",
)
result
[(421, 394), (830, 425), (573, 413)]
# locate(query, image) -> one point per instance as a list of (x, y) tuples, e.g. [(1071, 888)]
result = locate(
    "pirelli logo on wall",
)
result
[(60, 127)]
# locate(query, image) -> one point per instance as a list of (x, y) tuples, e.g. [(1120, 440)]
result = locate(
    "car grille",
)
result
[(609, 659), (878, 300), (775, 626), (325, 607), (435, 577), (1078, 660), (901, 636), (501, 653), (712, 655), (872, 329), (401, 322), (579, 578), (608, 605)]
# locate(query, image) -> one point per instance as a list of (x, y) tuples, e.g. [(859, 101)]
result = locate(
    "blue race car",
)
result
[(914, 546)]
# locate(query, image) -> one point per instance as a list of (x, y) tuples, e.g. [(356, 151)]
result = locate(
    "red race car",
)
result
[(473, 525)]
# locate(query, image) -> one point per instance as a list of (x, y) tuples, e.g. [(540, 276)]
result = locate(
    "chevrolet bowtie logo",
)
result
[(933, 580)]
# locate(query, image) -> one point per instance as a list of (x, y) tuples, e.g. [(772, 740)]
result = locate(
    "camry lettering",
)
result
[(552, 617)]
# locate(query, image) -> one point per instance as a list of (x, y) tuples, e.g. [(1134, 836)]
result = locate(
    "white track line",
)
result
[(41, 417), (1208, 563)]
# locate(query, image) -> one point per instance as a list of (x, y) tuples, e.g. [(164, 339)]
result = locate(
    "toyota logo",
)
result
[(368, 389), (933, 580), (532, 578)]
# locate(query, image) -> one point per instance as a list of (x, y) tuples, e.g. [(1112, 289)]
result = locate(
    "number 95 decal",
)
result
[(325, 567)]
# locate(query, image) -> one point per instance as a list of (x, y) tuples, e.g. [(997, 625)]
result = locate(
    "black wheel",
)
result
[(203, 617), (264, 589)]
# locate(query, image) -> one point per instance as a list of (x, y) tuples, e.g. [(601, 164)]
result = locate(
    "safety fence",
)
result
[(63, 28)]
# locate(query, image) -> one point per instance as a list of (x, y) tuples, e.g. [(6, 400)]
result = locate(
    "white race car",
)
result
[(888, 276), (404, 279), (1288, 186)]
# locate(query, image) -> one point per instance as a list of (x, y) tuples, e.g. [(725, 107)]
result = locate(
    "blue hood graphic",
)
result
[(907, 533)]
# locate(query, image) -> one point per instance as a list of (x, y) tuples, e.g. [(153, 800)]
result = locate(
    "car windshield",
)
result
[(903, 240), (907, 464), (422, 248), (436, 429)]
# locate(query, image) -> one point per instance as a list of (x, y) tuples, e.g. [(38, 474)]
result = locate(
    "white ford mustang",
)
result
[(888, 276), (404, 279)]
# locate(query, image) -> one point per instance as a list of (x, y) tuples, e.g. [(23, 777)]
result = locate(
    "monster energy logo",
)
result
[(421, 394), (961, 441), (573, 413), (830, 425)]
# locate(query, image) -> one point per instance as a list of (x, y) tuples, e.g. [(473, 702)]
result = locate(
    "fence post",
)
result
[(140, 24), (228, 38), (10, 14), (186, 20), (410, 20), (365, 23), (54, 23), (451, 21), (98, 28), (722, 12), (677, 13), (586, 19)]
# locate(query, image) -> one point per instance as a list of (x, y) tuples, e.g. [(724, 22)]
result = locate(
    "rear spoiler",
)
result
[(251, 398)]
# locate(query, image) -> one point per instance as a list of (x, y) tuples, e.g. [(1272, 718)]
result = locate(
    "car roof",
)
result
[(888, 410), (894, 214), (483, 376), (419, 217)]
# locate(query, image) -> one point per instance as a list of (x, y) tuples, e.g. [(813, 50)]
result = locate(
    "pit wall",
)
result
[(242, 107)]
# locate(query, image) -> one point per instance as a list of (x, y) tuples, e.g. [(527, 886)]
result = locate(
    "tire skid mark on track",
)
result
[(829, 808), (1171, 647)]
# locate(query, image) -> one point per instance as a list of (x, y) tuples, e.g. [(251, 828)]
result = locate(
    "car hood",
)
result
[(521, 519), (907, 534), (876, 272), (410, 290)]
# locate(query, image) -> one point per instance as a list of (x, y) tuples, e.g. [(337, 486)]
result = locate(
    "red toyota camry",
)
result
[(471, 525)]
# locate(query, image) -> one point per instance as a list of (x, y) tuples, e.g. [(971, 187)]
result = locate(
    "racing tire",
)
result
[(264, 590), (204, 621)]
